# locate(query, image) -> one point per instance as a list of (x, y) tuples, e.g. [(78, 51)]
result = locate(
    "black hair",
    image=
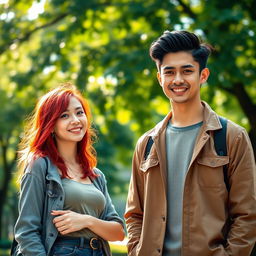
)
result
[(176, 41)]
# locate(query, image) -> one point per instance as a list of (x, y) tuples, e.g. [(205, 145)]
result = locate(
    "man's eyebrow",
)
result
[(168, 67), (184, 66), (188, 66)]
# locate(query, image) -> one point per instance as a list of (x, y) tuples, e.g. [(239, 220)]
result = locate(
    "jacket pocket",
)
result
[(148, 163), (51, 190), (210, 171)]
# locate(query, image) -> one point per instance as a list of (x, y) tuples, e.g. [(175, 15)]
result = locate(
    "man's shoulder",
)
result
[(146, 135), (152, 132), (213, 119), (235, 128), (236, 133)]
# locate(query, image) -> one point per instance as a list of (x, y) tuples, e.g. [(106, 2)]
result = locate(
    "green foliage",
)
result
[(102, 46)]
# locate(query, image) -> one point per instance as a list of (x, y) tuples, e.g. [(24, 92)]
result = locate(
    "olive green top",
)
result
[(85, 199)]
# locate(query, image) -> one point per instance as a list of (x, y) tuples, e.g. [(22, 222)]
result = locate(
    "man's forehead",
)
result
[(178, 60), (168, 67)]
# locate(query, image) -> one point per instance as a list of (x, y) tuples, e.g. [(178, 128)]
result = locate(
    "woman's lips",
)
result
[(76, 130)]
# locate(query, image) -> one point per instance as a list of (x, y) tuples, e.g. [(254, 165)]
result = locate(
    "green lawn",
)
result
[(118, 249)]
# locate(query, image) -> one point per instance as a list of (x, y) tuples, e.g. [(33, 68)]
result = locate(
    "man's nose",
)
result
[(178, 79)]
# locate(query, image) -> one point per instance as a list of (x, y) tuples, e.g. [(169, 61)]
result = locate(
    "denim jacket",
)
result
[(41, 192)]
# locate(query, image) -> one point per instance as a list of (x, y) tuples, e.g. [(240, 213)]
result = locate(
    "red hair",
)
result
[(38, 140)]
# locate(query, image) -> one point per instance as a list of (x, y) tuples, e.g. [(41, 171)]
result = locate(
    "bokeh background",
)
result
[(102, 47)]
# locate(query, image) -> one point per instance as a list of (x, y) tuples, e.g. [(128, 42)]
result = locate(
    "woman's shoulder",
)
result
[(98, 172), (36, 165), (100, 179)]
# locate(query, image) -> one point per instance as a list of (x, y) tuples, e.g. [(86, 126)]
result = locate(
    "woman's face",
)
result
[(72, 124)]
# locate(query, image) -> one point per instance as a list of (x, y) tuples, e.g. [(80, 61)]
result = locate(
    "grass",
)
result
[(118, 248), (4, 252)]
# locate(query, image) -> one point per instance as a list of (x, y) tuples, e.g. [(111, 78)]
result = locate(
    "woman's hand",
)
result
[(67, 221)]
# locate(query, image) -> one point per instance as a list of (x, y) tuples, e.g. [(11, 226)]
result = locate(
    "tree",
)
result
[(102, 46)]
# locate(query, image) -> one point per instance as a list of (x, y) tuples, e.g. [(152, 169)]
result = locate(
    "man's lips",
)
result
[(178, 88), (181, 89)]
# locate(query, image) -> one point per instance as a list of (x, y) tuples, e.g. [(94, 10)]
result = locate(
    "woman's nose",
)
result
[(75, 119)]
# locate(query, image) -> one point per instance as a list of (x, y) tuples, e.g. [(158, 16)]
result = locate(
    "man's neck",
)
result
[(186, 114)]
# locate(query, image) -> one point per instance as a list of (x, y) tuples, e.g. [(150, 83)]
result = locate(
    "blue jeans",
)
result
[(76, 247)]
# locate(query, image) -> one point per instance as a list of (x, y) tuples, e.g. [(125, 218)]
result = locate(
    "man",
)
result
[(179, 203)]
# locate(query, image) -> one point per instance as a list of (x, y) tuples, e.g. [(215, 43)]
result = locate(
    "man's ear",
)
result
[(204, 75), (159, 78)]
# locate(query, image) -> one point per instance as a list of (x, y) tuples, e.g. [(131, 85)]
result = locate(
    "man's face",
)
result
[(180, 78)]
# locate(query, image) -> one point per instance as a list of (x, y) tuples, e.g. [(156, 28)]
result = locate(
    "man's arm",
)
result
[(134, 206), (242, 197)]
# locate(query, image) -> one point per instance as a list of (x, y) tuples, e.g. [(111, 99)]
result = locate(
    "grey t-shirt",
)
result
[(180, 143), (84, 199)]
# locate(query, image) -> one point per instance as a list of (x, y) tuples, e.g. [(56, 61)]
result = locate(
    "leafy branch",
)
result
[(27, 35)]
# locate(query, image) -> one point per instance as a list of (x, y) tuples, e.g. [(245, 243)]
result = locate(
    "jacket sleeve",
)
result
[(242, 197), (28, 227), (109, 213), (134, 206)]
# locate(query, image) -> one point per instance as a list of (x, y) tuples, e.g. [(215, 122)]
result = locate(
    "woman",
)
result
[(64, 206)]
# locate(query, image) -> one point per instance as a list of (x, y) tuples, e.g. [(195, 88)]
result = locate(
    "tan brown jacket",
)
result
[(206, 202)]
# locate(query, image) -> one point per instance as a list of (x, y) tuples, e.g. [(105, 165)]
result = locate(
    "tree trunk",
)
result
[(7, 175), (252, 135), (249, 109)]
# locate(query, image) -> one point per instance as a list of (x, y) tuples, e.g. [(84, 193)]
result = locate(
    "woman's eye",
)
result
[(81, 112), (64, 116)]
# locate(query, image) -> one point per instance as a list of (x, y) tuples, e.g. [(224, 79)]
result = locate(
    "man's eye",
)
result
[(188, 71), (169, 73)]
